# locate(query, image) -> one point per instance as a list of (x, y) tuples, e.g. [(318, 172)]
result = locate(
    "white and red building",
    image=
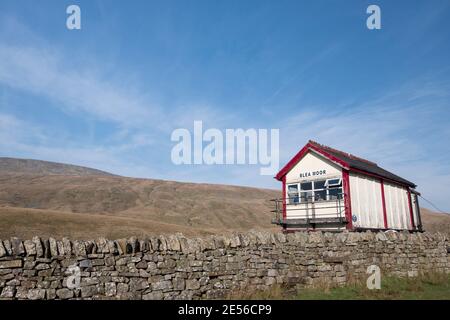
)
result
[(327, 189)]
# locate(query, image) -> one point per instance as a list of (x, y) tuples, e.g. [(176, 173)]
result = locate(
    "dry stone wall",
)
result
[(176, 267)]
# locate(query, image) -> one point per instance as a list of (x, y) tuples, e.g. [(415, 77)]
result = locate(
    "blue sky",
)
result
[(109, 95)]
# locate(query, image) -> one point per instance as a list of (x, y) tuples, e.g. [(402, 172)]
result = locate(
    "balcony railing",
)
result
[(308, 212)]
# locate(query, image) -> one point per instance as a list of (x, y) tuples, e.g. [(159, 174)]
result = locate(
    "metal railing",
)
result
[(315, 211)]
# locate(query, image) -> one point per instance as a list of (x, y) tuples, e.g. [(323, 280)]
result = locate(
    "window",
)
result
[(306, 191), (334, 189), (306, 186), (319, 190), (320, 184), (320, 195), (306, 196), (335, 193), (293, 193), (333, 182)]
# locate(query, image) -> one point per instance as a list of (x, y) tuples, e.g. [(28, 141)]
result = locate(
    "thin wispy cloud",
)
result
[(335, 82), (388, 131), (299, 72), (46, 73)]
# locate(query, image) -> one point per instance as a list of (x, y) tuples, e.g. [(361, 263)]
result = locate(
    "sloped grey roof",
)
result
[(363, 164)]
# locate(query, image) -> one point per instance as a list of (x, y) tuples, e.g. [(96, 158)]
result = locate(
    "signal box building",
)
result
[(327, 189)]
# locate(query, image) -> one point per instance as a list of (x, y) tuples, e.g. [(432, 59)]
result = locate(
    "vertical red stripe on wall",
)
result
[(347, 198), (413, 226), (383, 201), (284, 200)]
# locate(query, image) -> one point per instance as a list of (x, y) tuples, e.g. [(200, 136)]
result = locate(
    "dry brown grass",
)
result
[(85, 205), (26, 223), (110, 205), (435, 222)]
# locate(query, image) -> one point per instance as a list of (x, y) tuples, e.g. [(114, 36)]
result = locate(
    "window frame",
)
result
[(312, 198), (327, 183)]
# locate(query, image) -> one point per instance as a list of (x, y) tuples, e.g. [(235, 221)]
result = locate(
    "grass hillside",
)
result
[(435, 222), (51, 199), (10, 165), (62, 200)]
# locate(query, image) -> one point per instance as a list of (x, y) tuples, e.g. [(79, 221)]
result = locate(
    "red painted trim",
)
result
[(383, 201), (347, 198), (317, 148), (291, 163), (309, 146), (378, 177), (284, 199), (411, 214)]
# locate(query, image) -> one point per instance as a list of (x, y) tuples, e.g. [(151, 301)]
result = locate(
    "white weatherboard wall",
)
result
[(397, 206), (312, 163), (366, 202)]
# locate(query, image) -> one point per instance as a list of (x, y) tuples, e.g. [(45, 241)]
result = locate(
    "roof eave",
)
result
[(320, 151), (309, 147)]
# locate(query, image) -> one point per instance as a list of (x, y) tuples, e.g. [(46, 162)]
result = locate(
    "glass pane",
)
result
[(335, 193), (319, 184), (334, 182), (320, 195), (306, 196), (293, 199), (293, 194), (306, 186)]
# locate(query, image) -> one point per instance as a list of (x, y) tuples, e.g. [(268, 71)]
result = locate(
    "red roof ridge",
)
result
[(349, 155)]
